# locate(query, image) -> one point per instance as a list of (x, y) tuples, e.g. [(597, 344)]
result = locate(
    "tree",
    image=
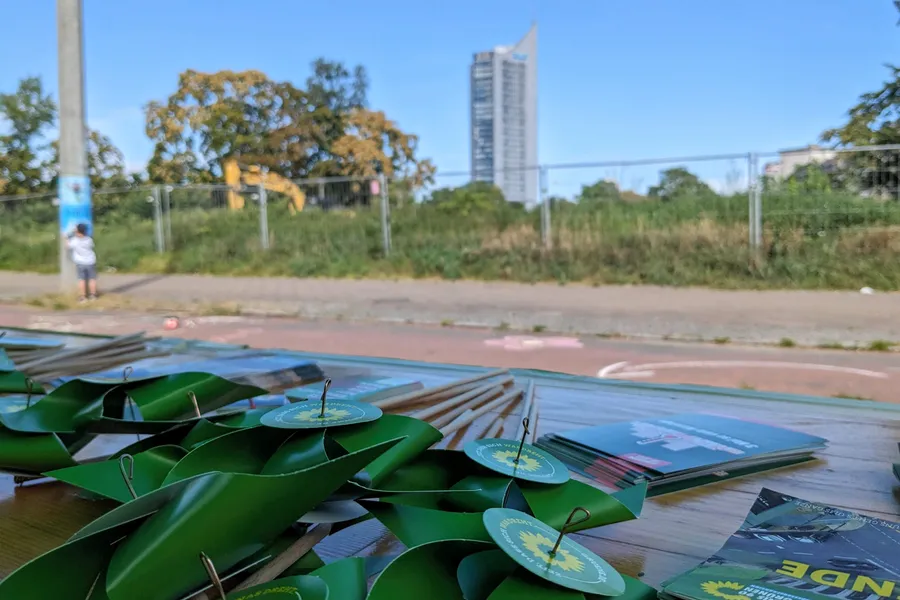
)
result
[(600, 191), (678, 183), (372, 144), (334, 94), (873, 121), (322, 131), (26, 114), (212, 117), (106, 163), (477, 198)]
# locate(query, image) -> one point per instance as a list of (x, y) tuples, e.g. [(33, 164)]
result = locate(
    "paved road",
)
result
[(808, 318), (824, 373)]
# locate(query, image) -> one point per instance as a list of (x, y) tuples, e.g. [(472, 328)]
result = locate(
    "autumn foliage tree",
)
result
[(324, 130)]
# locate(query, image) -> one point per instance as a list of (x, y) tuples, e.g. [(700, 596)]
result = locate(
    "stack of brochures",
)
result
[(791, 549), (358, 388), (678, 452)]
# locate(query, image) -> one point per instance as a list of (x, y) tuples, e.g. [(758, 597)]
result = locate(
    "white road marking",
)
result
[(626, 370)]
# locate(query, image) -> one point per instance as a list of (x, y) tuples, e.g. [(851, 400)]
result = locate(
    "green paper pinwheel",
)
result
[(11, 380), (143, 466), (515, 500), (477, 570), (151, 548), (238, 443), (45, 435), (341, 580), (471, 489)]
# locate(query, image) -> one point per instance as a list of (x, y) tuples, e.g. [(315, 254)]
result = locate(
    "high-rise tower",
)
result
[(503, 99)]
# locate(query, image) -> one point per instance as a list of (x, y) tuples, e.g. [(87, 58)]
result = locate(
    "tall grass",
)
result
[(810, 241)]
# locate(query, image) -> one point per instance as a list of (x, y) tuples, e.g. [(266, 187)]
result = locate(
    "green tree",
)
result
[(873, 121), (106, 163), (474, 199), (678, 183), (600, 191), (26, 115)]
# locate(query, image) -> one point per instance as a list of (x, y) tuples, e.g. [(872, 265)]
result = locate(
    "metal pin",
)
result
[(213, 575), (128, 475), (193, 398), (569, 524), (324, 394), (525, 433), (126, 373), (133, 412), (29, 384)]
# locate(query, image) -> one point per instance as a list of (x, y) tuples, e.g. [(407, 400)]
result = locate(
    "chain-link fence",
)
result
[(824, 210), (647, 220), (707, 220)]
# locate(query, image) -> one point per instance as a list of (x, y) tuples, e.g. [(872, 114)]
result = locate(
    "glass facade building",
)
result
[(503, 98)]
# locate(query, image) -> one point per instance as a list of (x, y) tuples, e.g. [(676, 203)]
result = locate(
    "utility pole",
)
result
[(74, 192)]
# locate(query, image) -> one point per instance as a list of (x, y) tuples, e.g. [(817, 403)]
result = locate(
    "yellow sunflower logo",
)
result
[(331, 414), (540, 546), (508, 458), (716, 588)]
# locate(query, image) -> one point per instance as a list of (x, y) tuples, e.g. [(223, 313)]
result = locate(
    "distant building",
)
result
[(503, 98), (789, 160)]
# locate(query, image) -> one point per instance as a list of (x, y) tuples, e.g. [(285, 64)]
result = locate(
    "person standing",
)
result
[(81, 246)]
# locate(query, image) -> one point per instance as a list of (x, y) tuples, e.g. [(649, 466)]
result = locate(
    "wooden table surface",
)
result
[(675, 532)]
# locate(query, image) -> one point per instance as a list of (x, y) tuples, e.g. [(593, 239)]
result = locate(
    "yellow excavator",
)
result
[(237, 180)]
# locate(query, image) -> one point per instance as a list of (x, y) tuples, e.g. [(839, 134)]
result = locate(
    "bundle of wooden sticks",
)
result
[(454, 406), (45, 364)]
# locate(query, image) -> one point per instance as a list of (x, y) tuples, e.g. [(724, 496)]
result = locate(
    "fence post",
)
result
[(757, 208), (263, 217), (546, 237), (157, 220), (385, 215), (167, 214), (754, 198)]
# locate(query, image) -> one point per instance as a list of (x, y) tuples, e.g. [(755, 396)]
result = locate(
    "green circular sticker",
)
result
[(529, 542), (534, 464), (308, 415)]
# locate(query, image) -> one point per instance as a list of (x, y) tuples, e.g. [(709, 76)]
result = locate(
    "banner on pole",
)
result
[(74, 203)]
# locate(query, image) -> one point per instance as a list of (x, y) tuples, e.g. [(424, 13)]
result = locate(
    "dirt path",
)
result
[(807, 318)]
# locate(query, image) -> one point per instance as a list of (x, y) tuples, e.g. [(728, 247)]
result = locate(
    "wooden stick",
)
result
[(426, 413), (292, 554), (472, 404), (431, 399), (533, 421), (526, 410), (494, 430), (114, 342), (465, 419), (404, 398)]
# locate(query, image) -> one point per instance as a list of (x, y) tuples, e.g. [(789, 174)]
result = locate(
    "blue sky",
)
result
[(618, 79)]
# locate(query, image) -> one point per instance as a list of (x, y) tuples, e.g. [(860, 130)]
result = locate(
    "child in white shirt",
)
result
[(81, 245)]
